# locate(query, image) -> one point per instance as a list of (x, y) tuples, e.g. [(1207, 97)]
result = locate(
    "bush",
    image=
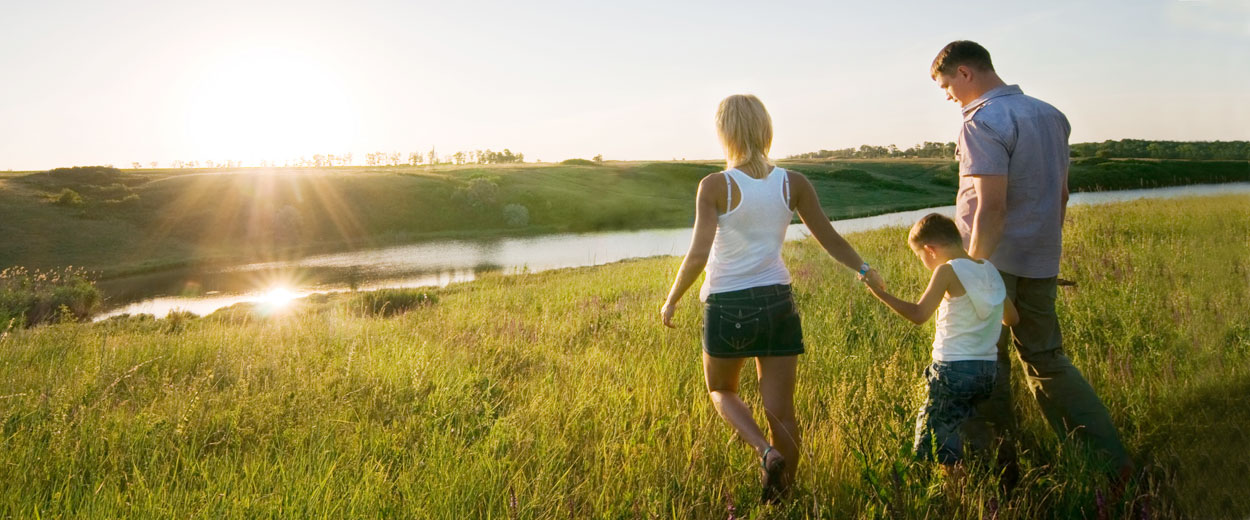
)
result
[(177, 320), (69, 197), (96, 177), (516, 215), (578, 162), (389, 302), (86, 174), (478, 192), (944, 178), (30, 298), (142, 322)]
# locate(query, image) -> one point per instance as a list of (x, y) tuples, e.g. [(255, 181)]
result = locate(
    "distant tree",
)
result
[(136, 165), (458, 157), (432, 157), (153, 164), (598, 158)]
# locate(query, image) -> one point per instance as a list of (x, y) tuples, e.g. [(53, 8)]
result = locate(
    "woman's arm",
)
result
[(700, 244), (922, 310), (807, 203)]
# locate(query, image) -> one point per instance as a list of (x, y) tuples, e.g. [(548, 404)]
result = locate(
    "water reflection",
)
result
[(436, 264)]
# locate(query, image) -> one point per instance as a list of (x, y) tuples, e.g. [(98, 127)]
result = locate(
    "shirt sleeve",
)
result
[(981, 150)]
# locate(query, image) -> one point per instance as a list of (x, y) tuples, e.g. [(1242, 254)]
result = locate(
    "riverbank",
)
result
[(141, 221), (558, 394)]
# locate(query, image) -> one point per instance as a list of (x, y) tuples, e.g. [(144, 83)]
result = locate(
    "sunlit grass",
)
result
[(558, 395)]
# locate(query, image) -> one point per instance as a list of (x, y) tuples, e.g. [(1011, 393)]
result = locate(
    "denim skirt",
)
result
[(760, 321)]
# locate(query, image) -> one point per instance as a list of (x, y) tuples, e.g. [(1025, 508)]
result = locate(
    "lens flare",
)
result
[(277, 298)]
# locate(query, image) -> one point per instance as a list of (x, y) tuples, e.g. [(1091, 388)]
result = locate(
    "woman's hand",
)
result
[(666, 315), (873, 280)]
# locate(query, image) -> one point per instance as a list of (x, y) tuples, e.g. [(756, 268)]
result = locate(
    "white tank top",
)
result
[(968, 326), (747, 249)]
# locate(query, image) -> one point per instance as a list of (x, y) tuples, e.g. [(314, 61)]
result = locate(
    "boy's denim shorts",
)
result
[(754, 322), (954, 389)]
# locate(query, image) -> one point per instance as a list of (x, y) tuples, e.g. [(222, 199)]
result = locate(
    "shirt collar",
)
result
[(1004, 90)]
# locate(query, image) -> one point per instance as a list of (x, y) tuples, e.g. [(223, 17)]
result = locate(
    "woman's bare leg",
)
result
[(776, 378), (721, 376)]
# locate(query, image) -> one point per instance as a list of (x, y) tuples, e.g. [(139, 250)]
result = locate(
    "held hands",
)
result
[(873, 280)]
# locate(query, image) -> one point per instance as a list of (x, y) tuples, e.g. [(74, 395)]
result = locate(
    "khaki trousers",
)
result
[(1067, 400)]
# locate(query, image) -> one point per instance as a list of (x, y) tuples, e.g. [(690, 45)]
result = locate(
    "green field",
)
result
[(142, 220), (558, 395)]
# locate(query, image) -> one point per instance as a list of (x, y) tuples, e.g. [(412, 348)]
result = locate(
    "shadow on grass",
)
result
[(1199, 460)]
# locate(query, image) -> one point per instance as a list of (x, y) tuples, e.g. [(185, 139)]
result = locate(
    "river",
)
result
[(438, 263)]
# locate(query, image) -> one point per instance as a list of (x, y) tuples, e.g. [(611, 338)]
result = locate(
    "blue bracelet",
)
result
[(863, 269)]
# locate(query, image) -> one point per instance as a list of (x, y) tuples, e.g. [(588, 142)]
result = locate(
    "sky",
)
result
[(90, 82)]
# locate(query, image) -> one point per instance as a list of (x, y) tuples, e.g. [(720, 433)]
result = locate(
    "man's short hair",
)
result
[(935, 229), (960, 52)]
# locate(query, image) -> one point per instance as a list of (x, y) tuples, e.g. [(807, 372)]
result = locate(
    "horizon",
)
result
[(164, 83)]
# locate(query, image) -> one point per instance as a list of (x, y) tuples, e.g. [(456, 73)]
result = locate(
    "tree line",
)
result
[(1143, 149), (927, 149), (1109, 149), (371, 159)]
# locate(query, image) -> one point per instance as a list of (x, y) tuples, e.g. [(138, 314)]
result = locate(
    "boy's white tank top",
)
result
[(747, 249), (968, 326)]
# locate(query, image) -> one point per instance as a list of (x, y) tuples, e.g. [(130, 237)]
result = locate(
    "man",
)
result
[(1013, 190)]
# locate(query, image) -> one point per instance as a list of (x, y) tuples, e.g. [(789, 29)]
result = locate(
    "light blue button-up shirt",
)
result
[(1008, 133)]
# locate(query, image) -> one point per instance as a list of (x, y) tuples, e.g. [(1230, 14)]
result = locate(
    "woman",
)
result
[(741, 216)]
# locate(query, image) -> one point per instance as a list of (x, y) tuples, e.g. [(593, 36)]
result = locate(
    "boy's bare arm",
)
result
[(1010, 315), (922, 310)]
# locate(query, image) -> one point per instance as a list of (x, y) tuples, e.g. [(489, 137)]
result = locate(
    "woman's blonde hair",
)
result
[(745, 129)]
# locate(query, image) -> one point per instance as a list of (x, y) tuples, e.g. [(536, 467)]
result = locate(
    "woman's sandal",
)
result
[(771, 475)]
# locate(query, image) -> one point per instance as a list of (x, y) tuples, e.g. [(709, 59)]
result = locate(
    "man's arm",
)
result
[(1063, 211), (991, 213)]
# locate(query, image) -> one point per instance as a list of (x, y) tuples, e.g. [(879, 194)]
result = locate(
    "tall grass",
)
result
[(558, 395)]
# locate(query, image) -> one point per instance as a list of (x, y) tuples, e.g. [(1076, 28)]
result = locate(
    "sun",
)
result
[(277, 298)]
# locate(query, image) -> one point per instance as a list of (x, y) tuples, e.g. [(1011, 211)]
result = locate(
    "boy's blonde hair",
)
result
[(935, 229), (745, 130)]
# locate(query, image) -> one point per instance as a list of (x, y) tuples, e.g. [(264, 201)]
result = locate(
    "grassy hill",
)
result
[(127, 221), (559, 394)]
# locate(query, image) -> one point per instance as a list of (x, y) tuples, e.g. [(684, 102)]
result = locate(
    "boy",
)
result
[(972, 307)]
